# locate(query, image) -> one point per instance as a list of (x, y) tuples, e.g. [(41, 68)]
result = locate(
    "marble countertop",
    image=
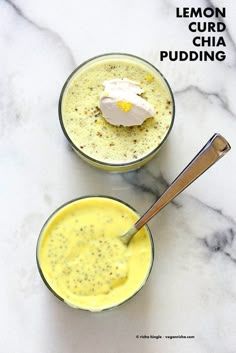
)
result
[(192, 288)]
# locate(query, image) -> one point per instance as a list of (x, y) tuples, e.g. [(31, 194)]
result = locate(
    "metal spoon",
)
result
[(215, 149)]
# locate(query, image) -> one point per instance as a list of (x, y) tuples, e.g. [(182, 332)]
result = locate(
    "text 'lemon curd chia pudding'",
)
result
[(116, 110), (83, 261)]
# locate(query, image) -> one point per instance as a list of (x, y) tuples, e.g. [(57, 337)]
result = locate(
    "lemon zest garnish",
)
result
[(124, 106), (149, 78)]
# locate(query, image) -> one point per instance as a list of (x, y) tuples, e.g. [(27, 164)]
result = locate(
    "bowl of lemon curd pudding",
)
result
[(82, 260), (116, 111)]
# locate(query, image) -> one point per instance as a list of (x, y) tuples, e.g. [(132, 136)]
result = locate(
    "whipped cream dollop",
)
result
[(121, 103)]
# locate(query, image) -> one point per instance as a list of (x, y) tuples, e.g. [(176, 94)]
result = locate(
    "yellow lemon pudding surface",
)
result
[(82, 259)]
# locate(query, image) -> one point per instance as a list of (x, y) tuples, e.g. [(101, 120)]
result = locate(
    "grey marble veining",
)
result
[(47, 31), (192, 288), (207, 95)]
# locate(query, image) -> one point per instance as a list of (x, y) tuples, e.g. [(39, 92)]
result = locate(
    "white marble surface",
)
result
[(192, 288)]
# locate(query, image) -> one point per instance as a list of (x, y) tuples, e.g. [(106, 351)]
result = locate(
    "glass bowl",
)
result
[(102, 145), (83, 262)]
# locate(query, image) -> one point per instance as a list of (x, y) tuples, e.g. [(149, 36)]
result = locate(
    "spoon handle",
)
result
[(215, 149)]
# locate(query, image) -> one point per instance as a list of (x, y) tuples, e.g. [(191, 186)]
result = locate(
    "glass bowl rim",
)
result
[(68, 203), (97, 161)]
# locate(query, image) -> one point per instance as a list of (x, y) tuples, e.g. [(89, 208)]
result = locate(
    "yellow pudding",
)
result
[(83, 261), (106, 146)]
